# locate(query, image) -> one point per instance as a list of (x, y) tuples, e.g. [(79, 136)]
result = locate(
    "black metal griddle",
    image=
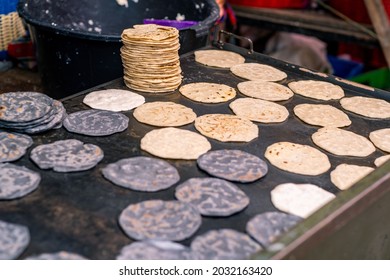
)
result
[(79, 211)]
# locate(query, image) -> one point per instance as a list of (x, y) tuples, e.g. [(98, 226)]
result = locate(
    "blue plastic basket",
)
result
[(345, 68), (7, 6), (3, 55)]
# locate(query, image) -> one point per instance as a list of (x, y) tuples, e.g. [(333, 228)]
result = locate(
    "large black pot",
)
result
[(78, 41)]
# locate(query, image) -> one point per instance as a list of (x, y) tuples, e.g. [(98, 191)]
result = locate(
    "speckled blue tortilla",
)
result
[(155, 250), (23, 125), (67, 156), (54, 121), (13, 146), (14, 239), (17, 181), (51, 120), (96, 122), (233, 165), (23, 106), (265, 228), (157, 219), (224, 244), (212, 196), (142, 174)]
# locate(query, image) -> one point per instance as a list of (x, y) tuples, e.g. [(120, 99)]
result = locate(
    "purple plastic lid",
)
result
[(173, 23)]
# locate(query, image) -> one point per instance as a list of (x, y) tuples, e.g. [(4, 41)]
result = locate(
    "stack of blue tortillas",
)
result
[(233, 165), (30, 112)]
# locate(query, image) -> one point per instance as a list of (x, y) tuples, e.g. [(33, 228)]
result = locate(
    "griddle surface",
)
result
[(78, 212)]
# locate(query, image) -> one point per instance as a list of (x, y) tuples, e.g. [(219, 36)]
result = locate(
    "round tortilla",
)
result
[(258, 72), (257, 110), (17, 181), (301, 200), (342, 142), (218, 58), (297, 158), (233, 165), (14, 239), (13, 146), (164, 114), (266, 227), (115, 100), (212, 196), (381, 139), (265, 90), (175, 143), (317, 89), (96, 122), (226, 128), (322, 115), (208, 92), (155, 250), (346, 175), (23, 106), (142, 174), (69, 155), (367, 106), (224, 244), (158, 219)]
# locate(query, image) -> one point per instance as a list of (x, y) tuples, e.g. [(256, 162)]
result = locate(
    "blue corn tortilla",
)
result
[(67, 156), (17, 181), (212, 196), (13, 146), (14, 239), (224, 244), (233, 165), (96, 122), (157, 219), (142, 174)]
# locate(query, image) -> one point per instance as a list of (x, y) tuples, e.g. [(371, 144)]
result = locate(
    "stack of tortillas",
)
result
[(150, 58)]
